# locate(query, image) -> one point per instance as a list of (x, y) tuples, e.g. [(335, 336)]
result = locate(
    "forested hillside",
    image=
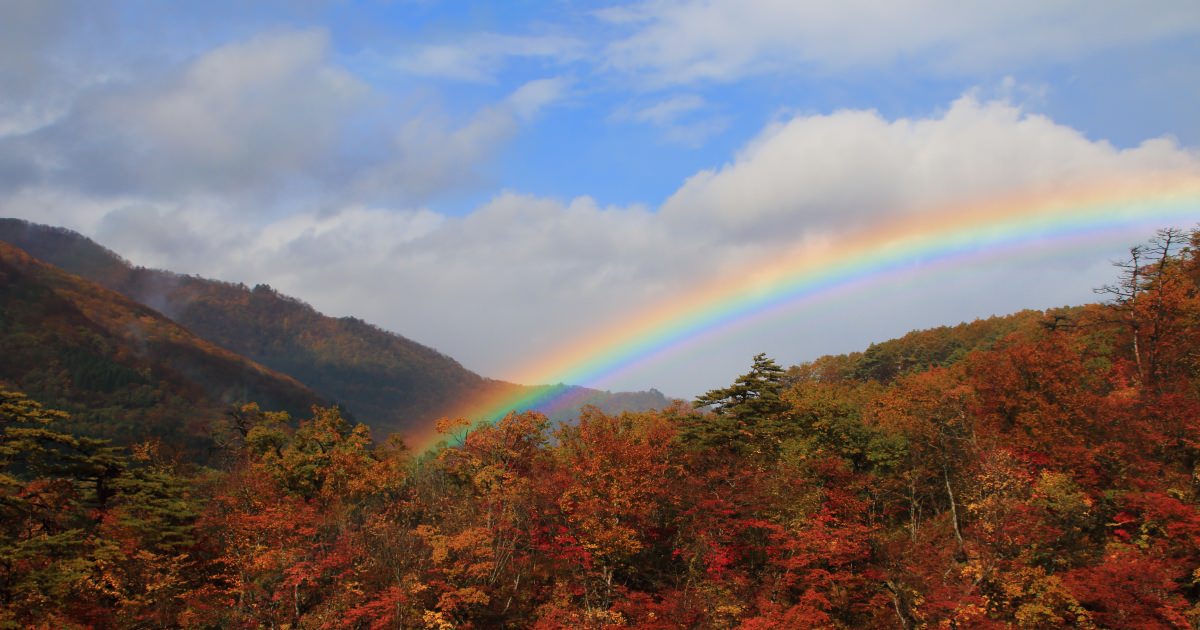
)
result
[(390, 382), (923, 349), (121, 369), (1038, 471)]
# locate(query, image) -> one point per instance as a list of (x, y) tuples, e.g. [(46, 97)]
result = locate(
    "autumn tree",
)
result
[(281, 528), (614, 488), (483, 516), (1149, 299)]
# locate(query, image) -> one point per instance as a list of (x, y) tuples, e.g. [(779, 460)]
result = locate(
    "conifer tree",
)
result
[(749, 415)]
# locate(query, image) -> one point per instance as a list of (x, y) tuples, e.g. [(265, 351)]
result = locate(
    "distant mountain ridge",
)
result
[(387, 381), (124, 371)]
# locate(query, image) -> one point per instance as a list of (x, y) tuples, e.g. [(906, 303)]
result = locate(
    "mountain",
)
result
[(123, 370), (389, 382)]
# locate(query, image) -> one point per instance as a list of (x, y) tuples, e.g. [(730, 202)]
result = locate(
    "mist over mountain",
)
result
[(123, 370), (387, 381)]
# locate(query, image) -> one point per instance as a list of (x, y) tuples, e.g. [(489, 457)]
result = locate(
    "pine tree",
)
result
[(749, 415)]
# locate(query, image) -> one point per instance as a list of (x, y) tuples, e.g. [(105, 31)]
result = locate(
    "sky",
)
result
[(500, 180)]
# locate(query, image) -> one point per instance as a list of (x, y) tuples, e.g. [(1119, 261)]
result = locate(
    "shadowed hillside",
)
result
[(124, 370), (389, 382)]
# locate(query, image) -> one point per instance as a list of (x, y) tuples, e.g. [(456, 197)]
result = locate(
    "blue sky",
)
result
[(493, 179)]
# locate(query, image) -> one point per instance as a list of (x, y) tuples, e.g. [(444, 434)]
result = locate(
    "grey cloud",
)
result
[(265, 122), (427, 154), (39, 84), (243, 116), (150, 235)]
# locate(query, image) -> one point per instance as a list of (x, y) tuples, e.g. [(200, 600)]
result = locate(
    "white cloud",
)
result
[(266, 122), (683, 119), (852, 167), (697, 132), (685, 40), (481, 57), (529, 99), (523, 275), (663, 112), (1009, 89), (272, 159)]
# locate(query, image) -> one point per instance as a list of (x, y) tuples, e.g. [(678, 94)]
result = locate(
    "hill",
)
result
[(392, 383), (920, 350), (123, 370)]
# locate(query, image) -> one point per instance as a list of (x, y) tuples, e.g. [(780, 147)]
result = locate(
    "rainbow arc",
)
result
[(812, 270)]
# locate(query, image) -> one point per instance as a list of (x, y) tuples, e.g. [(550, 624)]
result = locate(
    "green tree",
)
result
[(748, 416)]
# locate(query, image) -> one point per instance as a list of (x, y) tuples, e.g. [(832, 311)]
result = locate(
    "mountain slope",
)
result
[(920, 350), (124, 371), (389, 382)]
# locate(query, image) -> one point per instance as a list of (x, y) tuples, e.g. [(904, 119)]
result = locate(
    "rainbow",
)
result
[(813, 269)]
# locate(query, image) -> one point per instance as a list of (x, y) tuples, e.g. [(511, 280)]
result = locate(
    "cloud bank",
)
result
[(274, 157), (520, 274)]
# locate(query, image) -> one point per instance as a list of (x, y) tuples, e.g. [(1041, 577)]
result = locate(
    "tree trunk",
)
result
[(953, 509)]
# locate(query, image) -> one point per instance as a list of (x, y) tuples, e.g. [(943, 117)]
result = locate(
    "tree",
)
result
[(1147, 298), (749, 415)]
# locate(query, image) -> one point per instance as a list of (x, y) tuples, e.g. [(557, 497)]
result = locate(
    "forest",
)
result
[(1040, 470)]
